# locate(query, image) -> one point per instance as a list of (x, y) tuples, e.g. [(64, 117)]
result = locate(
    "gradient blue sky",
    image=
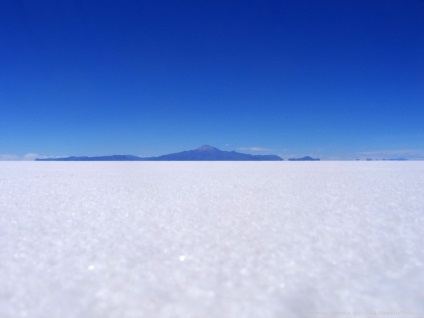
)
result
[(334, 79)]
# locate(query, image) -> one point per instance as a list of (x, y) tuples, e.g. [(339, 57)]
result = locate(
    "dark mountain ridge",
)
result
[(306, 158), (204, 153)]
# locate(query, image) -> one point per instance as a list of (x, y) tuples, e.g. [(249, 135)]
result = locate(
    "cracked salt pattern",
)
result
[(210, 239)]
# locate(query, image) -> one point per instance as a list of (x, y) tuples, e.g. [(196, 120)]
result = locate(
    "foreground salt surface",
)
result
[(210, 239)]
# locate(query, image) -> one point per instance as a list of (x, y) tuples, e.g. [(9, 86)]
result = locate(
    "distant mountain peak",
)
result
[(203, 153), (306, 158), (207, 148)]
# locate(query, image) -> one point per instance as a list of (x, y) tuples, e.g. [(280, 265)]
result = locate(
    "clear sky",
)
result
[(334, 79)]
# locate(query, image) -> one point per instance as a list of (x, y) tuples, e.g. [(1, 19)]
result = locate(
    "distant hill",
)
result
[(99, 158), (204, 153), (394, 159), (307, 158)]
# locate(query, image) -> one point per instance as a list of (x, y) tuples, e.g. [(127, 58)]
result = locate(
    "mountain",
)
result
[(204, 153), (208, 153), (99, 158), (307, 158)]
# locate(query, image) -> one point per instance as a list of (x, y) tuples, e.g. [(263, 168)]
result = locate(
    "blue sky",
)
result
[(334, 79)]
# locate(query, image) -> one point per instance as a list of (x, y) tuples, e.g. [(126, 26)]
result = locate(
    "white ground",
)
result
[(229, 239)]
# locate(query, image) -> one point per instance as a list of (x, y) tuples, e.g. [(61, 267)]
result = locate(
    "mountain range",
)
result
[(307, 158), (203, 153)]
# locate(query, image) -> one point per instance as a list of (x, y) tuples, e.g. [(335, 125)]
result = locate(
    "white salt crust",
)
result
[(210, 239)]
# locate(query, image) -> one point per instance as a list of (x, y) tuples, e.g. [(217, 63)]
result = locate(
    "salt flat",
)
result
[(210, 239)]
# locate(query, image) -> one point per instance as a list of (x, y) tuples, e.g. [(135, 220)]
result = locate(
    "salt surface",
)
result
[(210, 239)]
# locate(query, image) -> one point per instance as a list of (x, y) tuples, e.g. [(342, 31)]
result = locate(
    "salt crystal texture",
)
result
[(210, 239)]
